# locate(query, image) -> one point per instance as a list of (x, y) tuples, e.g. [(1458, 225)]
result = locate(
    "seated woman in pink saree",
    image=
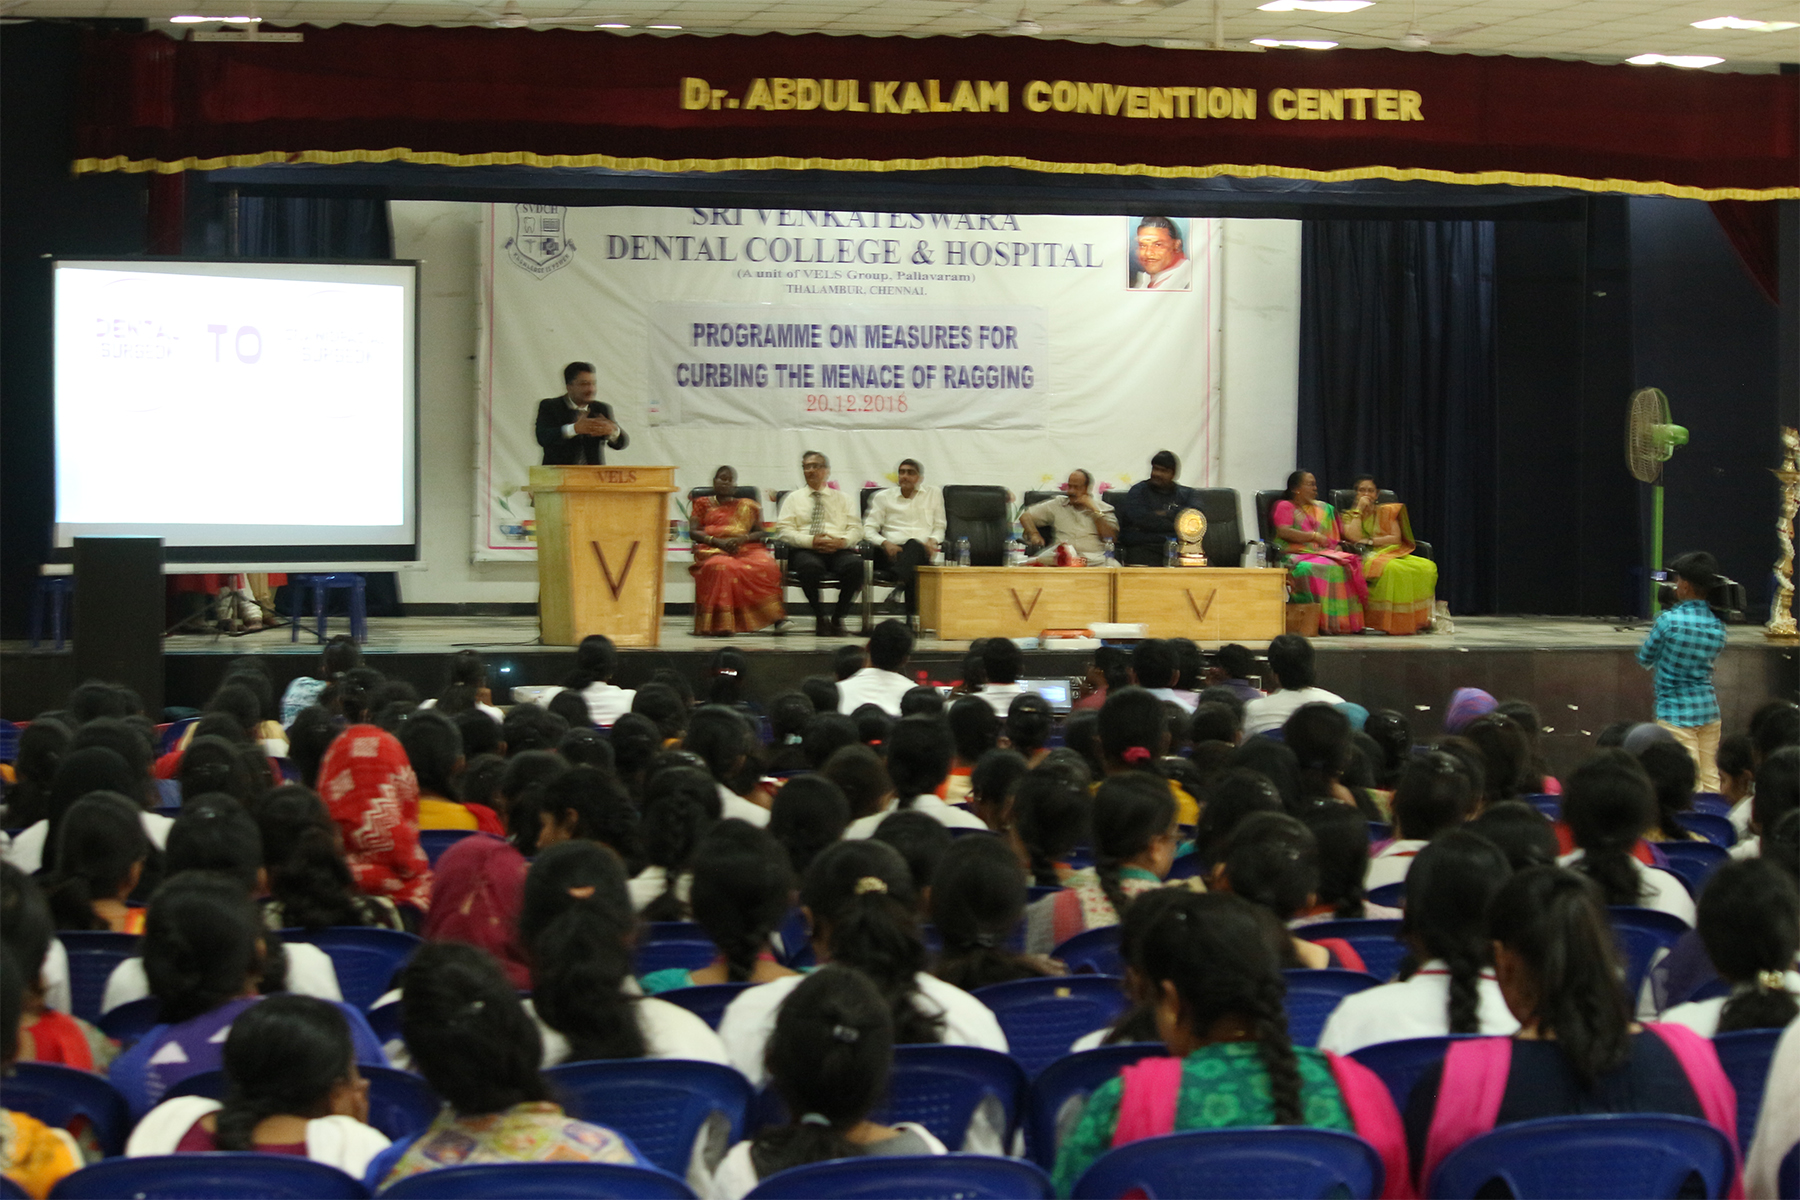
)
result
[(1306, 530), (737, 582)]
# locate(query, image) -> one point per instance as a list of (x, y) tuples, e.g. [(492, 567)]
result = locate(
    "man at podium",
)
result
[(575, 428)]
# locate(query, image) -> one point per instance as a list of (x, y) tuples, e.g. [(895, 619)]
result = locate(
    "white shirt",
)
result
[(1740, 815), (1076, 526), (1419, 1007), (750, 1020), (1272, 711), (1392, 864), (999, 696), (794, 523), (309, 973), (1702, 1016), (1187, 700), (27, 850), (1778, 1124), (650, 883), (498, 717), (1178, 278), (872, 685), (737, 1176), (895, 518), (338, 1141), (1747, 847), (946, 814), (58, 993), (1657, 888), (670, 1031), (733, 805)]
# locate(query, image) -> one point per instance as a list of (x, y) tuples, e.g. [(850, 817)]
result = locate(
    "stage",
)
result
[(1580, 672)]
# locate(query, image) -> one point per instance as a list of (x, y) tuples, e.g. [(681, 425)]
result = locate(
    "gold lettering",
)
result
[(784, 93), (1137, 102), (912, 99), (882, 93), (1409, 106), (695, 93), (1089, 98), (1162, 102), (1243, 104), (963, 100), (1358, 98), (806, 94), (935, 102), (1306, 107), (1064, 96), (1218, 102), (855, 104), (992, 94), (759, 95), (1281, 104), (1115, 97), (837, 94), (1037, 96), (1183, 97), (1387, 105), (1331, 104)]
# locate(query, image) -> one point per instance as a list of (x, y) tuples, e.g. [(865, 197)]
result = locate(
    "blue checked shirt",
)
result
[(1680, 649)]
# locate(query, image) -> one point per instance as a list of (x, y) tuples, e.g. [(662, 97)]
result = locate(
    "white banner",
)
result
[(994, 349)]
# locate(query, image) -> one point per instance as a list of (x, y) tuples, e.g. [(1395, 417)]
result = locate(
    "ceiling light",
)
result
[(1324, 6), (662, 27), (612, 25), (189, 19), (1675, 60), (1745, 24), (1272, 43)]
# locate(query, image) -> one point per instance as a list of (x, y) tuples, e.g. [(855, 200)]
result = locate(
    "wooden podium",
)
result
[(600, 536)]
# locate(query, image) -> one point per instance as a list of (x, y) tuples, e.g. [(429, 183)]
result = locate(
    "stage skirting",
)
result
[(1211, 605)]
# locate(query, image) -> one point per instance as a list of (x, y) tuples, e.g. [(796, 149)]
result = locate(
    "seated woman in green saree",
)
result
[(1401, 584)]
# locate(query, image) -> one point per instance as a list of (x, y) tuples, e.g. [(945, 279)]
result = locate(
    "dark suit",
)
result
[(560, 451), (1147, 521)]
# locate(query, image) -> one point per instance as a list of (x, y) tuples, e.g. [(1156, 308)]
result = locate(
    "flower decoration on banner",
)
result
[(833, 485), (1105, 487)]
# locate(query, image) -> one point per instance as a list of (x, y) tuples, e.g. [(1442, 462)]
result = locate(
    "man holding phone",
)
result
[(1681, 648)]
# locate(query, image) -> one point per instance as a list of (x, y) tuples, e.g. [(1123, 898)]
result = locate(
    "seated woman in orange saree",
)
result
[(1401, 585), (737, 582), (1306, 530)]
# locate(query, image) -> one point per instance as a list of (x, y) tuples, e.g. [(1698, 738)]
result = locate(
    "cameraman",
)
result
[(1680, 650)]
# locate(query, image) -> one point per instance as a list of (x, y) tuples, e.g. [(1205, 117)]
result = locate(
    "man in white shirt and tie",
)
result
[(816, 521), (907, 526)]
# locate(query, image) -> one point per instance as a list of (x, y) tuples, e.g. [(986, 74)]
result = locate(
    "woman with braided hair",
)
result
[(1135, 835), (741, 894), (1447, 983), (1211, 966)]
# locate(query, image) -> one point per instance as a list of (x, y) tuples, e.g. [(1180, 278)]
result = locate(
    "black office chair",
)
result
[(1265, 523), (981, 513), (1344, 499), (791, 580), (1224, 541)]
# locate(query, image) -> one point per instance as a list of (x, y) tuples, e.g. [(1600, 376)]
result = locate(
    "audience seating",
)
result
[(1205, 1163), (981, 513), (662, 1105), (1186, 866), (1093, 952), (940, 1087), (1069, 1077), (707, 1001), (1400, 1064), (400, 1102), (58, 591), (662, 953), (1712, 802), (1640, 933), (1312, 994), (1550, 806), (215, 1176), (58, 1096), (12, 1191), (93, 956), (1378, 942), (130, 1021), (1380, 831), (1388, 895), (321, 586), (384, 1020), (1714, 828), (909, 1177), (436, 841), (542, 1181), (9, 741), (796, 942), (1590, 1158), (1745, 1055), (169, 736), (1692, 862), (366, 958), (1224, 539), (1043, 1017)]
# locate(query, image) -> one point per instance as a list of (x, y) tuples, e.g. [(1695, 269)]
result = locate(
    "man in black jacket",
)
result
[(1147, 514), (575, 428)]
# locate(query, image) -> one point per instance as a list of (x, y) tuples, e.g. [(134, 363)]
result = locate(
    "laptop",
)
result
[(1057, 691)]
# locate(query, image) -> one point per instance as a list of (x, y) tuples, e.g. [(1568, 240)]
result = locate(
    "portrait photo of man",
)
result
[(1159, 260)]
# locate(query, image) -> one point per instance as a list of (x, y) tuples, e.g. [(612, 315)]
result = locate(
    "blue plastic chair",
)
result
[(213, 1176), (1271, 1161), (1400, 1064), (1693, 862), (660, 1104), (168, 791), (1042, 1017), (708, 1001), (1714, 828), (1070, 1076), (1640, 933), (365, 958), (435, 841), (320, 586), (1377, 941), (1713, 989), (1628, 1156), (400, 1103), (909, 1177), (130, 1021), (1389, 895), (940, 1087), (1093, 952), (1037, 892), (171, 735), (1787, 1176), (9, 741), (796, 944), (93, 956), (1745, 1055), (671, 954), (1186, 866), (58, 591), (58, 1096), (385, 1021), (541, 1181), (12, 1191), (1380, 831), (1712, 802), (1313, 994), (1550, 806)]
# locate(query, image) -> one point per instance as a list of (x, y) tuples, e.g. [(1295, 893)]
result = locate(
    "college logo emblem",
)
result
[(540, 241)]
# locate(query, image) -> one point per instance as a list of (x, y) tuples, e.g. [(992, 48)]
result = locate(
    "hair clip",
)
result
[(1135, 754), (585, 892), (986, 941), (816, 1119), (846, 1034), (869, 883), (1770, 981)]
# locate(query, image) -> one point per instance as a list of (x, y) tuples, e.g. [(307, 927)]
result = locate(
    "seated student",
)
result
[(1135, 836), (1214, 721), (1777, 794), (481, 781), (1671, 771), (1030, 722), (822, 690), (1155, 667), (1505, 757), (1272, 860), (922, 700), (309, 883), (680, 805), (881, 683), (1577, 1049), (809, 814), (1054, 811), (82, 772), (992, 797), (977, 901), (922, 842), (1538, 780), (433, 746), (1137, 1022), (522, 787), (1736, 761), (292, 1087), (1291, 662), (341, 653), (1320, 735), (206, 956), (1522, 833), (1608, 806), (579, 930), (33, 1155), (873, 725), (589, 804), (1134, 736), (859, 773), (215, 836), (531, 727), (369, 789), (1447, 982), (1211, 965), (213, 764), (974, 731), (469, 1035), (311, 734), (741, 895), (1434, 795), (829, 1058), (918, 758), (466, 689), (1234, 794), (722, 739), (1750, 924), (100, 855), (1343, 838), (41, 748), (859, 899), (788, 716), (666, 708), (45, 1034), (478, 890), (1276, 763), (1002, 662), (595, 660)]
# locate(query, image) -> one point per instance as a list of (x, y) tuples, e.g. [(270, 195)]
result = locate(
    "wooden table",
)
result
[(1207, 604), (970, 602)]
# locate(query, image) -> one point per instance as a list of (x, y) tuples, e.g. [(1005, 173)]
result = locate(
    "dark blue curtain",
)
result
[(1397, 378)]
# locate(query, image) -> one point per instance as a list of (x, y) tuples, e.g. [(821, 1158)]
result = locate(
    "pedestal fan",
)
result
[(1650, 439)]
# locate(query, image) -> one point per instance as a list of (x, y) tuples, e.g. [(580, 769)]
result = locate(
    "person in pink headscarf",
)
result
[(477, 893), (369, 789)]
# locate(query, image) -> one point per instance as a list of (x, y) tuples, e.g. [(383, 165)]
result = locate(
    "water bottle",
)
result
[(962, 551), (1170, 555), (1015, 553), (1106, 545)]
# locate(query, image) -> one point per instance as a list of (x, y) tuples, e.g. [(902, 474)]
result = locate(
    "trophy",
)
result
[(1190, 529)]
